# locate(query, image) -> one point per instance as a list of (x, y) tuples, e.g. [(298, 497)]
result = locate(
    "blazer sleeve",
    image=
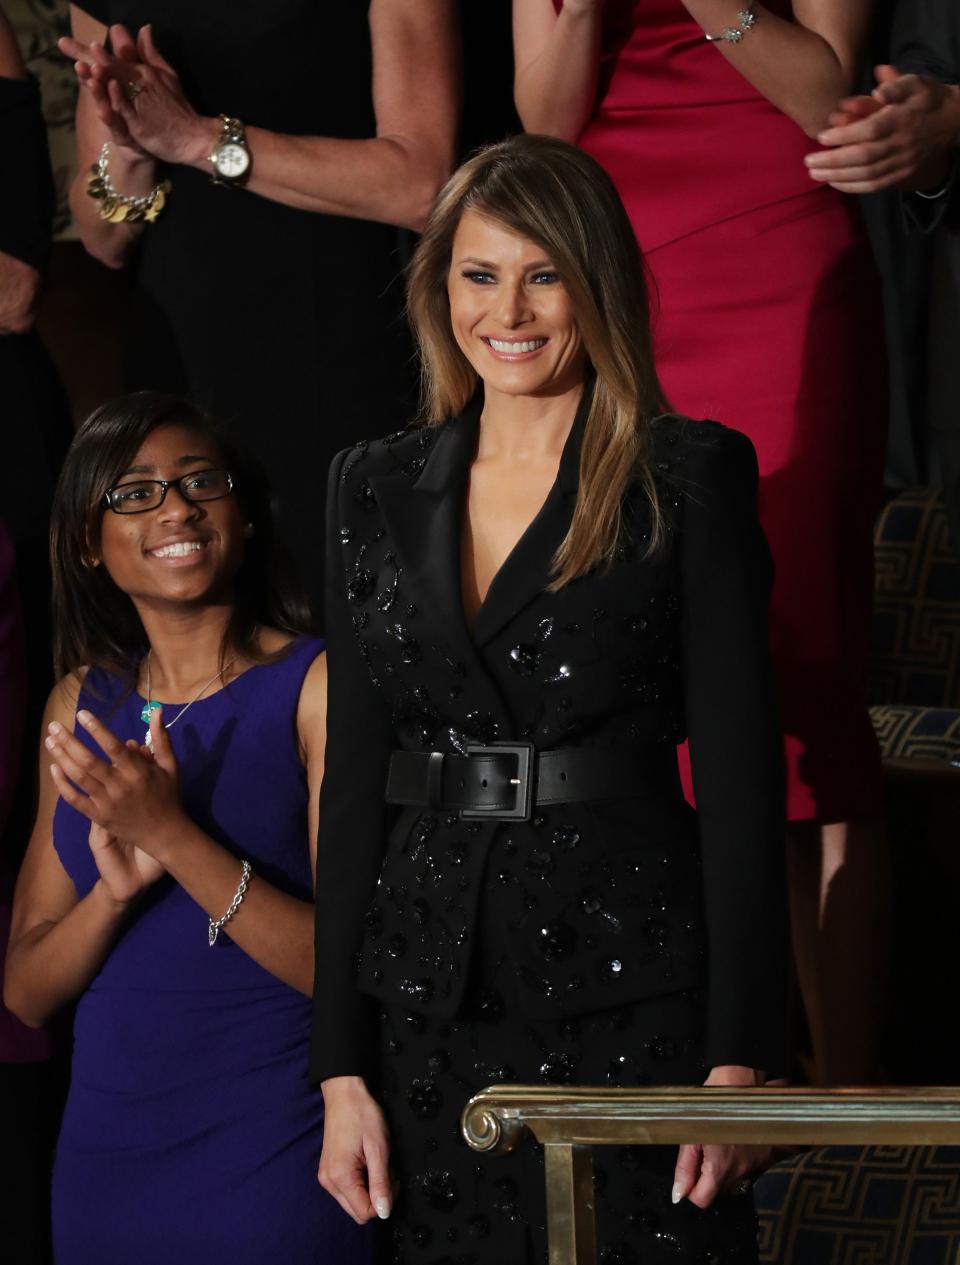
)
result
[(352, 829), (925, 40), (735, 751)]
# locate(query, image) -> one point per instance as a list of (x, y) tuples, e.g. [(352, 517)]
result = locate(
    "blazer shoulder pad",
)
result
[(403, 451), (702, 454)]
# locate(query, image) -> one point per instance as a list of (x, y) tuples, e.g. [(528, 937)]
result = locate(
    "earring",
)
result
[(248, 530)]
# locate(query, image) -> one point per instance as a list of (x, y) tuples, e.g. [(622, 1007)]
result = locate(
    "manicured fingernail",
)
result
[(677, 1193), (49, 744), (84, 717), (382, 1206), (54, 727)]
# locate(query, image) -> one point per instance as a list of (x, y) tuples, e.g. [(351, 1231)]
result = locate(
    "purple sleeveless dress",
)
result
[(191, 1132)]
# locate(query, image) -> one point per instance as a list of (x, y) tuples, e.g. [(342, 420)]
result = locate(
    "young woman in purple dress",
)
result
[(168, 887)]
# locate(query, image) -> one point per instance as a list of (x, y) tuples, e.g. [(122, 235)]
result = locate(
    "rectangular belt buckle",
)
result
[(523, 783)]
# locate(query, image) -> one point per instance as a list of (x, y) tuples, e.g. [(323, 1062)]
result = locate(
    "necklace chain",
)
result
[(151, 706)]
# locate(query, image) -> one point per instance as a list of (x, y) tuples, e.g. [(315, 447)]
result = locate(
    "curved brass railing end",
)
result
[(486, 1129)]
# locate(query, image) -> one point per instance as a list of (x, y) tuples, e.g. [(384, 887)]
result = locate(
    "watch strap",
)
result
[(232, 132)]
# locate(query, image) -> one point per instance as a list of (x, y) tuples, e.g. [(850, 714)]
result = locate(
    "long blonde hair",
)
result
[(556, 196)]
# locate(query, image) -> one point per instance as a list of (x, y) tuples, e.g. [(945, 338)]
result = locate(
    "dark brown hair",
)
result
[(556, 196), (95, 622)]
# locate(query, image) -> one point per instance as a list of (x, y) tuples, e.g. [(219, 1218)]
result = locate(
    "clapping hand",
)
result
[(132, 795), (903, 135), (138, 97), (125, 869)]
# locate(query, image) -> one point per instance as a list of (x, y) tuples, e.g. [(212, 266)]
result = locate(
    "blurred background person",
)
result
[(35, 414), (294, 145), (905, 136), (768, 320)]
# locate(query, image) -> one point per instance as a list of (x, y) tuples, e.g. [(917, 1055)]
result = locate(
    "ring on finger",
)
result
[(132, 89)]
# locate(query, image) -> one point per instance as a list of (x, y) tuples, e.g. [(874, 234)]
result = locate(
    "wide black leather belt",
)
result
[(506, 781)]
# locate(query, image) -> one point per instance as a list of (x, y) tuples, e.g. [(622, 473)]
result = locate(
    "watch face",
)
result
[(231, 160)]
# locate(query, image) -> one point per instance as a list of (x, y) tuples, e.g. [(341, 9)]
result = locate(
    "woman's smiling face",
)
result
[(511, 314), (182, 551)]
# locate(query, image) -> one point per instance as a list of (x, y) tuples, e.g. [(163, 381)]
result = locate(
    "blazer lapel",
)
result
[(423, 520), (526, 571)]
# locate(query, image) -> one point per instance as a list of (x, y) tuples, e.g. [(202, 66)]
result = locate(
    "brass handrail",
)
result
[(569, 1121)]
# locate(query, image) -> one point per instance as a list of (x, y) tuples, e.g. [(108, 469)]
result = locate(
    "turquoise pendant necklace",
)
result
[(151, 705)]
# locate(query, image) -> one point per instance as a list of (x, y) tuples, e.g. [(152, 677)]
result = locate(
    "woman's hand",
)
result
[(354, 1162), (131, 795), (125, 870), (139, 98), (904, 135), (703, 1172), (94, 67)]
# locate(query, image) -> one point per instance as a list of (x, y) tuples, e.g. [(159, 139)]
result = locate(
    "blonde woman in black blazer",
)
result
[(532, 599)]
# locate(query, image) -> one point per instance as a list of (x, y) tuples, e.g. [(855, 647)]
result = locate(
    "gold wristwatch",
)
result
[(230, 157)]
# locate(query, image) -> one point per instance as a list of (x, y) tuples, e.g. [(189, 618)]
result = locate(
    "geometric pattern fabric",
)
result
[(862, 1205), (915, 651), (919, 733)]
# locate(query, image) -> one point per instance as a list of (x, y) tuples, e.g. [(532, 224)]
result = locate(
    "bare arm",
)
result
[(557, 58), (137, 799), (57, 942), (133, 173), (803, 67), (11, 63), (392, 177), (272, 927)]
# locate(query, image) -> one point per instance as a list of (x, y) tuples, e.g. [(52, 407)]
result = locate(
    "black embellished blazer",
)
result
[(592, 905)]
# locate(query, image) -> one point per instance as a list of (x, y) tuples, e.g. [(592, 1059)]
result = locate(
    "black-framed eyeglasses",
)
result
[(140, 495)]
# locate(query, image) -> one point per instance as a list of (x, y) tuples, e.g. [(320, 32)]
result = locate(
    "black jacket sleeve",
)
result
[(352, 828), (926, 41), (735, 751)]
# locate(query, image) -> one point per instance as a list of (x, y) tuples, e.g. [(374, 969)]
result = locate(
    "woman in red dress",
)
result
[(767, 318)]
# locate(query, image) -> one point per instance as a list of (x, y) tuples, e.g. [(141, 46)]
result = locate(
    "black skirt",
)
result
[(458, 1207)]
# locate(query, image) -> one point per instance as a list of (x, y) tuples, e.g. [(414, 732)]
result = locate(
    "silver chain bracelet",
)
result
[(217, 926), (747, 19)]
